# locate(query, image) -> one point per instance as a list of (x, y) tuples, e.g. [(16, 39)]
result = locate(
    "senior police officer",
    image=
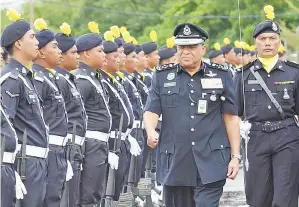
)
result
[(45, 82), (99, 122), (74, 107), (271, 102), (23, 108), (199, 143), (119, 104)]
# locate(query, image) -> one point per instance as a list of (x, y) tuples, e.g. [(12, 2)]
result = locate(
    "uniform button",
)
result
[(192, 80), (221, 146), (192, 104), (168, 91), (192, 130), (59, 100), (193, 143), (253, 89), (166, 151), (192, 117), (191, 91), (269, 75), (269, 107)]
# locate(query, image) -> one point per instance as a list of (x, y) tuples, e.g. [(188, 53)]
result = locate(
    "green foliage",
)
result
[(220, 18)]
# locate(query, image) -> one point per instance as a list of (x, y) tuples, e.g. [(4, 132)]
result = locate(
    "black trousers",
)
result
[(200, 196), (94, 173), (35, 183), (8, 183), (272, 177), (57, 167)]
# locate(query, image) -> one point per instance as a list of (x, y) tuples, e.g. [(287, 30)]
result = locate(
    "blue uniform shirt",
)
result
[(22, 104), (141, 86), (192, 142), (73, 103), (118, 102), (52, 100), (8, 132), (283, 82), (95, 99)]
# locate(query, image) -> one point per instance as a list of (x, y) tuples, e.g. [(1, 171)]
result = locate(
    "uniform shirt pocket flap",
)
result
[(167, 148), (217, 144), (253, 87), (170, 90), (284, 87)]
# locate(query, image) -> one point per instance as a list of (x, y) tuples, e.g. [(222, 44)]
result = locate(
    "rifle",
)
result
[(21, 163), (110, 190), (70, 156), (1, 160)]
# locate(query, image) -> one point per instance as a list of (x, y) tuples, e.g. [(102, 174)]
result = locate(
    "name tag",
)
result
[(202, 106), (169, 84), (251, 82), (211, 83)]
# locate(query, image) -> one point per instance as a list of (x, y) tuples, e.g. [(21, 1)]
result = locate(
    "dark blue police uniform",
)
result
[(56, 119), (23, 107), (119, 104), (95, 98), (8, 181)]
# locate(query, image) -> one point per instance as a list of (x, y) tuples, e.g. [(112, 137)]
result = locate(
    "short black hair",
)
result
[(9, 49)]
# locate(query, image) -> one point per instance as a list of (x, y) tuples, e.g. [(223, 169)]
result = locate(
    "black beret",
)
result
[(149, 47), (189, 34), (165, 52), (252, 53), (119, 41), (266, 26), (109, 47), (215, 53), (237, 50), (226, 49), (138, 49), (129, 48), (14, 32), (65, 42), (44, 37), (245, 52), (88, 41)]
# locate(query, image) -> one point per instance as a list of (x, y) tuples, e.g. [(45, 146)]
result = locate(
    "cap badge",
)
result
[(274, 27), (187, 30)]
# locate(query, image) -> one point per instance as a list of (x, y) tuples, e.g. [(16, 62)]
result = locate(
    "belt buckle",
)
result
[(267, 126)]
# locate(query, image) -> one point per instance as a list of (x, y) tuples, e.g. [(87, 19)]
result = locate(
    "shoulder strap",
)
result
[(268, 92)]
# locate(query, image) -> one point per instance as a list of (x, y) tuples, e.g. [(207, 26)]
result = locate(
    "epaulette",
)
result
[(14, 74), (217, 66), (245, 67), (39, 76), (292, 64), (165, 67)]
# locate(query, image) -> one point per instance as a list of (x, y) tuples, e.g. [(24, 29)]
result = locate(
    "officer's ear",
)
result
[(203, 49), (41, 54), (86, 54), (18, 45)]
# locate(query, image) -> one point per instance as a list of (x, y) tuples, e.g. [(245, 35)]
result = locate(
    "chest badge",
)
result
[(211, 74), (170, 76)]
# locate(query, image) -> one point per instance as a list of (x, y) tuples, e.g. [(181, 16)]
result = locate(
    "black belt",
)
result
[(272, 126)]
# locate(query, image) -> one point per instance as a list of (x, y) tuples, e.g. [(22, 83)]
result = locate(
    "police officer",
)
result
[(99, 122), (270, 106), (45, 82), (135, 99), (152, 56), (167, 53), (119, 104), (193, 158), (141, 59), (229, 55), (11, 184), (216, 55), (22, 106), (74, 107)]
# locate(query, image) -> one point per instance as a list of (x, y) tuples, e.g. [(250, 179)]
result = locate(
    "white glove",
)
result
[(20, 187), (135, 148), (69, 171), (113, 160), (245, 127)]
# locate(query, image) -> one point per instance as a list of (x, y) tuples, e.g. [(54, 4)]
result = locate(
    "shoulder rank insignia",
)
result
[(217, 66), (292, 64), (11, 95), (166, 67)]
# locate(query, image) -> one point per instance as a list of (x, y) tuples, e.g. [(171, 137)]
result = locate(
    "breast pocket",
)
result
[(170, 97), (285, 93), (32, 100), (253, 94), (220, 151), (166, 152), (213, 96)]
